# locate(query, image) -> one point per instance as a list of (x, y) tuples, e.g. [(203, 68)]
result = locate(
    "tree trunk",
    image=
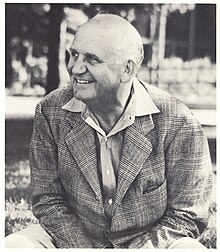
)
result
[(8, 66), (55, 18), (192, 29), (162, 32), (8, 58)]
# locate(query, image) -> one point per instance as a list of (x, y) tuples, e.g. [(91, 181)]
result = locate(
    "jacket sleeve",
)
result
[(50, 204), (189, 184)]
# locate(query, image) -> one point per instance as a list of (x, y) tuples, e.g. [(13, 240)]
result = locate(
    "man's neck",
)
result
[(109, 114), (108, 121)]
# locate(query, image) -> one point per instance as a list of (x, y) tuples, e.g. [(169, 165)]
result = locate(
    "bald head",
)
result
[(104, 58), (123, 36)]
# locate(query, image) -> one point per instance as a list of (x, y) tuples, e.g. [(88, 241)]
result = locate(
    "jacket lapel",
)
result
[(135, 151), (81, 143)]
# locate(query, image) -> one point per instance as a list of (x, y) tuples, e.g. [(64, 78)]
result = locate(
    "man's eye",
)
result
[(93, 60), (74, 54)]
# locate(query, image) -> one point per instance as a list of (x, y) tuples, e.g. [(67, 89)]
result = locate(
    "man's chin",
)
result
[(83, 97)]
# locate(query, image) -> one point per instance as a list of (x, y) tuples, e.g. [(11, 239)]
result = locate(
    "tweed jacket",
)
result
[(163, 186)]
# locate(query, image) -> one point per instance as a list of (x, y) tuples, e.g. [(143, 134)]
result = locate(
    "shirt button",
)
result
[(107, 172), (107, 232), (110, 202), (104, 139)]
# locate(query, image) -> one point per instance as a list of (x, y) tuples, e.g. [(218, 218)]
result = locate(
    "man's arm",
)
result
[(50, 203), (189, 184)]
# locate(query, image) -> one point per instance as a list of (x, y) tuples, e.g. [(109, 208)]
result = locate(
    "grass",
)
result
[(18, 202), (17, 197)]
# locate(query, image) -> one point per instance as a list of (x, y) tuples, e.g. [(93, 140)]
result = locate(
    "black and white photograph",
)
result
[(110, 125)]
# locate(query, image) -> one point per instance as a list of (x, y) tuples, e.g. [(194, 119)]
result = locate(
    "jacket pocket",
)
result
[(140, 210), (155, 188)]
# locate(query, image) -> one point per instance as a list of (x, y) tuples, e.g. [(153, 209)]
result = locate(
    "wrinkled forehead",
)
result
[(94, 35), (95, 31)]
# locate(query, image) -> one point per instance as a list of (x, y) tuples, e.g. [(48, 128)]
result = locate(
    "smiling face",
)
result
[(95, 66)]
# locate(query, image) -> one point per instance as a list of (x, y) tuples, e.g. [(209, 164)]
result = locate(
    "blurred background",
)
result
[(180, 57)]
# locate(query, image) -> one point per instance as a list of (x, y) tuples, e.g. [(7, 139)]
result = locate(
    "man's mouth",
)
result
[(81, 81)]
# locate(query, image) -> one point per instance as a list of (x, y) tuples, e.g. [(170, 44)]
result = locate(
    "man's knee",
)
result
[(186, 243), (18, 241), (33, 236)]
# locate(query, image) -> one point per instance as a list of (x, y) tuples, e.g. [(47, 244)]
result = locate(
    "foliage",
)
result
[(33, 31), (27, 21), (18, 212), (209, 237), (18, 216), (193, 82)]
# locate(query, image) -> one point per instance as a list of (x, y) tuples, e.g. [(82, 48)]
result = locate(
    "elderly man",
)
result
[(115, 162)]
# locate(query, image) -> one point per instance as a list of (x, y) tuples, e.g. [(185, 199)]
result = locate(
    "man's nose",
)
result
[(78, 67)]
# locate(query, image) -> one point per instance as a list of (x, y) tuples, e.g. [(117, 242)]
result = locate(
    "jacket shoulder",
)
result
[(169, 105), (58, 97)]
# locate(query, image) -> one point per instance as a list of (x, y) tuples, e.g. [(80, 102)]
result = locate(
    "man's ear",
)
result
[(129, 71)]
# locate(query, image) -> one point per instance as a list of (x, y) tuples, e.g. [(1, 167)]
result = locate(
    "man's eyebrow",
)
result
[(72, 50), (91, 55), (87, 54)]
